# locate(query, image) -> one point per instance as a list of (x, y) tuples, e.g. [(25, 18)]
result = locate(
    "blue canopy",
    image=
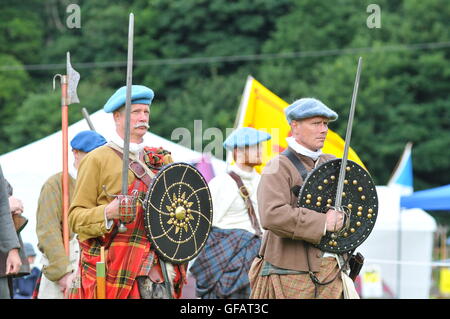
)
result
[(432, 199)]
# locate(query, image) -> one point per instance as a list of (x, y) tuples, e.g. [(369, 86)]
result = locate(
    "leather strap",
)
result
[(141, 175), (297, 163), (136, 168), (248, 202), (299, 166)]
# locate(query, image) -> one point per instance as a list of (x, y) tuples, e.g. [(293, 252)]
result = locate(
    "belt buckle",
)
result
[(134, 171), (241, 192)]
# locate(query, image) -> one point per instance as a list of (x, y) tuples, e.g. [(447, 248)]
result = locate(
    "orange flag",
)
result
[(263, 110)]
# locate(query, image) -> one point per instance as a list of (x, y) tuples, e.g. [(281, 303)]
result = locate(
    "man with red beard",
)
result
[(222, 266), (132, 266)]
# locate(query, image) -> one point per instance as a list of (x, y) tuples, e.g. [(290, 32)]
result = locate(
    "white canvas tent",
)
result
[(28, 167), (381, 248)]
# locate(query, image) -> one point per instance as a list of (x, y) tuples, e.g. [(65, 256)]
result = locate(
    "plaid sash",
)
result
[(221, 268)]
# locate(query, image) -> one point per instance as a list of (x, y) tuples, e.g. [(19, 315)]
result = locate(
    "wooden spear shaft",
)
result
[(65, 157)]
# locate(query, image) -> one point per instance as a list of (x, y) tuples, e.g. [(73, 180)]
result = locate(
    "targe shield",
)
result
[(178, 212), (359, 202)]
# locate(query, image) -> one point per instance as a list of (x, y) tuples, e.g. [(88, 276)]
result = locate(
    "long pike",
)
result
[(69, 83)]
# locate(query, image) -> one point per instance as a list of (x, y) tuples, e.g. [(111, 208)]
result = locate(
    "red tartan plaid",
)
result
[(154, 156)]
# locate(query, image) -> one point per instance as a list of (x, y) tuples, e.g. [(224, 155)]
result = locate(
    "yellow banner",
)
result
[(263, 110), (444, 282)]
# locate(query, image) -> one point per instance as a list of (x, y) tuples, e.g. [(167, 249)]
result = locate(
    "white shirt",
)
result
[(229, 209)]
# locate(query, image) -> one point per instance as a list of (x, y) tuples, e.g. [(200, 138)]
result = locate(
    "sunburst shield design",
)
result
[(359, 203), (178, 212)]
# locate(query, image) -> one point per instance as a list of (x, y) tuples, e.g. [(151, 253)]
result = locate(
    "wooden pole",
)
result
[(444, 243), (65, 174)]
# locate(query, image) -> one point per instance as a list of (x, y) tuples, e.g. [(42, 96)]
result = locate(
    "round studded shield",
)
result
[(178, 212), (359, 202)]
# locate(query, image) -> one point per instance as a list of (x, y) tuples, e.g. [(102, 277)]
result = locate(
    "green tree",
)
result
[(401, 96), (403, 92), (213, 101), (13, 85)]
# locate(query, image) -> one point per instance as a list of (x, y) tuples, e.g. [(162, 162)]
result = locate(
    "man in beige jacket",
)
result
[(58, 268), (287, 255)]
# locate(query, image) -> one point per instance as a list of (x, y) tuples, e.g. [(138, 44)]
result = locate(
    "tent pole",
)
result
[(443, 243), (399, 252)]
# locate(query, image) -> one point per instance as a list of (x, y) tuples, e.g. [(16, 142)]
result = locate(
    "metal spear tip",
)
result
[(73, 79)]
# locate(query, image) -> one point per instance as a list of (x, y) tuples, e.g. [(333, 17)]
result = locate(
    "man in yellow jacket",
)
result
[(131, 263)]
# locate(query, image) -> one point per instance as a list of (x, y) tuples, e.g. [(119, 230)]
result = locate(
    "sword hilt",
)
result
[(127, 208), (347, 214)]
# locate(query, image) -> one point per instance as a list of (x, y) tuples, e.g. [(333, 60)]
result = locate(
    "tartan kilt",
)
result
[(298, 286), (221, 268)]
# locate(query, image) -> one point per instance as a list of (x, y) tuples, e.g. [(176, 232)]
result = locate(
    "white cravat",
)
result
[(303, 150), (135, 148)]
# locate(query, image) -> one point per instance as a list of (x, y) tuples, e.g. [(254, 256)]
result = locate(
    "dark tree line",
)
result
[(294, 47)]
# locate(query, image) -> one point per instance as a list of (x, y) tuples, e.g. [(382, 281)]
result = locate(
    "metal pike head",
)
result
[(73, 77)]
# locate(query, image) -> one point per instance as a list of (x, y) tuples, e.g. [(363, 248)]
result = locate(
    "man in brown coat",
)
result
[(287, 255)]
